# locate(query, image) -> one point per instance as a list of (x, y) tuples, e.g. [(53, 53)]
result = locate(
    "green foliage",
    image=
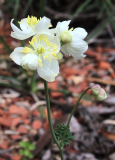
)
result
[(26, 148), (63, 134)]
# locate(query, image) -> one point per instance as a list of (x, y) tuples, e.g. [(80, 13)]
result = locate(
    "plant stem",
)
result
[(61, 154), (33, 83), (76, 106), (73, 113), (49, 117)]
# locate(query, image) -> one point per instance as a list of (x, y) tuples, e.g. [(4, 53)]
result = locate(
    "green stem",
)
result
[(76, 106), (49, 116), (61, 154), (73, 113), (33, 83)]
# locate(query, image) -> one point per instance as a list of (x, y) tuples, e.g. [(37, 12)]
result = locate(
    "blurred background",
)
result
[(24, 129)]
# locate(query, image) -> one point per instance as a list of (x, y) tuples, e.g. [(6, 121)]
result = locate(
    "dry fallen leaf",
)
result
[(77, 79)]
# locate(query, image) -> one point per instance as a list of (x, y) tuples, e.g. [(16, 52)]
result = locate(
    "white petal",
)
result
[(15, 29), (52, 31), (61, 27), (49, 70), (30, 62), (55, 40), (75, 48), (42, 25), (79, 33), (18, 34), (64, 25), (16, 55), (22, 35), (24, 25)]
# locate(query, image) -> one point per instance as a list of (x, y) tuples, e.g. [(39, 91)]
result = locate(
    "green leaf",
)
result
[(27, 7), (10, 85), (41, 110), (110, 16), (81, 8), (27, 143), (31, 147), (30, 155), (21, 152), (97, 30), (41, 7), (10, 78), (22, 144), (110, 3), (17, 3), (26, 152), (60, 132)]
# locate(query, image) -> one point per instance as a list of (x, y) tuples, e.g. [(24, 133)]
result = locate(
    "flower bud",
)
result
[(66, 37), (95, 89), (59, 56), (91, 84), (30, 62), (101, 96)]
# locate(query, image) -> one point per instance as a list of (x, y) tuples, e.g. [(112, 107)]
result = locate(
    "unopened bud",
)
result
[(101, 96), (96, 89), (59, 56), (91, 84), (30, 62), (66, 37)]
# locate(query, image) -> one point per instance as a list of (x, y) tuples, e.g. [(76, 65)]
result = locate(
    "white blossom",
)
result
[(42, 55), (30, 26), (71, 39)]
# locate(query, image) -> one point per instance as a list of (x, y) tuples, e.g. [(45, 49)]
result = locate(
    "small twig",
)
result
[(58, 15), (35, 97), (103, 81), (7, 150), (35, 105)]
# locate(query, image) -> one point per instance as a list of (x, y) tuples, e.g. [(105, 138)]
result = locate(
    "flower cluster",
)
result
[(47, 45), (98, 92)]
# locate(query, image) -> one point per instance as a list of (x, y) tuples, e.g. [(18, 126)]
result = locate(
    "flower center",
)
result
[(40, 50), (32, 21), (44, 45)]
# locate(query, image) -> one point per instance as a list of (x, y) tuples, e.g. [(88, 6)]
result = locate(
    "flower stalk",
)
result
[(60, 145), (73, 113), (49, 115)]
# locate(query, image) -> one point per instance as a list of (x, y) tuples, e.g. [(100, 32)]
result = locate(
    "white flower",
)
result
[(71, 40), (41, 56), (29, 27)]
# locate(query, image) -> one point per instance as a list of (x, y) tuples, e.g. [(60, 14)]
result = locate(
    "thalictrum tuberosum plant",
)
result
[(43, 53)]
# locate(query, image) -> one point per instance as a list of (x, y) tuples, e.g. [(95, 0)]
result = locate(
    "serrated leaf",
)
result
[(60, 133)]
